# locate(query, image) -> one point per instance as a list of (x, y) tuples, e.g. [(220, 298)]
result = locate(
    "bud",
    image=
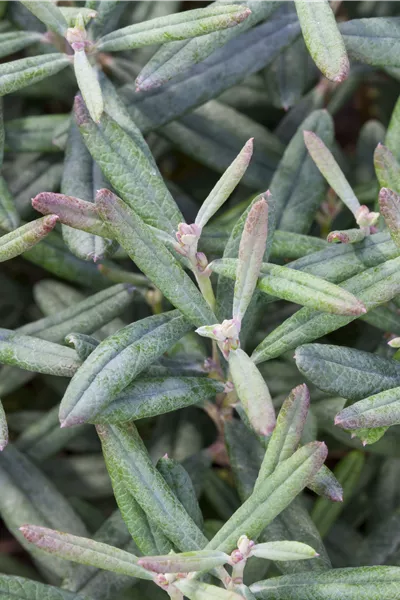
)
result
[(226, 334), (188, 237), (365, 218)]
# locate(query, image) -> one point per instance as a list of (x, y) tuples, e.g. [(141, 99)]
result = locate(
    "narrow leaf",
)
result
[(3, 428), (20, 588), (323, 39), (374, 41), (379, 410), (393, 130), (197, 590), (387, 168), (14, 41), (9, 217), (203, 560), (389, 204), (18, 74), (49, 14), (283, 551), (24, 238), (89, 86)]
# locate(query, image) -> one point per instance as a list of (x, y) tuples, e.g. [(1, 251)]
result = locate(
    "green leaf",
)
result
[(347, 472), (275, 493), (374, 41), (393, 132), (70, 13), (19, 588), (175, 27), (82, 344), (297, 186), (387, 168), (9, 217), (253, 392), (37, 355), (379, 410), (49, 14), (13, 41), (347, 372), (389, 204), (129, 169), (18, 74), (203, 560), (34, 134), (373, 287), (148, 487), (325, 484), (25, 237), (360, 583), (153, 258), (323, 39), (89, 86), (3, 428), (84, 551), (197, 590), (283, 551), (149, 397), (115, 363)]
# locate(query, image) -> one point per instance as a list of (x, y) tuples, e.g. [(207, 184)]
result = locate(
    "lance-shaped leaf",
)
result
[(187, 562), (325, 484), (89, 86), (253, 392), (251, 252), (49, 14), (373, 287), (115, 363), (289, 428), (347, 236), (272, 497), (82, 344), (374, 41), (369, 583), (329, 168), (379, 410), (34, 134), (9, 217), (175, 27), (225, 186), (149, 397), (12, 586), (71, 13), (197, 590), (393, 131), (18, 74), (37, 355), (3, 428), (323, 39), (84, 551), (347, 472), (22, 239), (148, 487), (13, 41), (387, 168), (71, 211), (153, 258), (347, 372), (284, 550), (129, 169), (389, 203)]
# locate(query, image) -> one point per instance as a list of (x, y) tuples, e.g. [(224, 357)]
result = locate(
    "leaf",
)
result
[(387, 168), (297, 186), (347, 472), (115, 363), (71, 13), (325, 484), (389, 203), (22, 239), (251, 251), (197, 590), (283, 551), (34, 134), (153, 258), (84, 551), (19, 588), (225, 186), (253, 392), (323, 39), (203, 560), (393, 132), (89, 86), (3, 428), (13, 41), (9, 217), (272, 497), (148, 487), (18, 74), (175, 27), (347, 372), (379, 410), (374, 41), (373, 287), (149, 397), (329, 168), (360, 583), (37, 355), (82, 344), (49, 14), (129, 170)]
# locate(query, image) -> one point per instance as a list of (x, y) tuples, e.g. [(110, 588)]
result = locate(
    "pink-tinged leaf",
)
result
[(389, 203), (285, 550), (22, 239), (253, 392), (379, 410), (251, 252), (387, 168), (348, 236), (324, 483), (187, 562)]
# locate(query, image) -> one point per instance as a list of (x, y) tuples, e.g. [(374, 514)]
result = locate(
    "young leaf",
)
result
[(18, 74), (379, 410), (225, 186), (152, 257), (49, 13), (22, 239), (9, 217), (253, 392), (3, 428), (251, 252), (84, 551), (203, 560), (180, 26), (323, 39), (389, 203), (283, 551), (197, 590), (28, 589), (115, 363), (89, 86), (387, 168)]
